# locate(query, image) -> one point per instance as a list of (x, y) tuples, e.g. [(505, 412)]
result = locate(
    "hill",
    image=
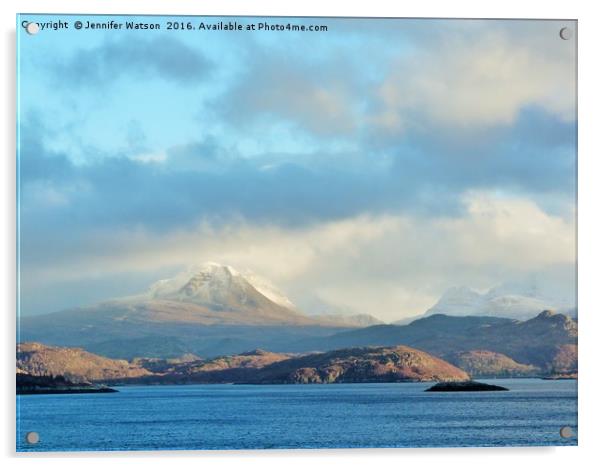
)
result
[(480, 363), (75, 364), (396, 364), (547, 341)]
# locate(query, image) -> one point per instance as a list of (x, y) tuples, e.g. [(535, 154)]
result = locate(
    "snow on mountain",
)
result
[(219, 286), (459, 301), (223, 288), (269, 290), (516, 301), (210, 294)]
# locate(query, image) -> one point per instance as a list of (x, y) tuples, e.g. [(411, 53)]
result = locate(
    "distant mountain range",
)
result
[(214, 310)]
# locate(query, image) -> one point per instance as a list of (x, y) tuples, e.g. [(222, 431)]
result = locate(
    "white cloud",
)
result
[(463, 74), (390, 266), (473, 80)]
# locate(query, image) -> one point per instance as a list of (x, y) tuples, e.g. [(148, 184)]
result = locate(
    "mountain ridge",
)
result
[(547, 341)]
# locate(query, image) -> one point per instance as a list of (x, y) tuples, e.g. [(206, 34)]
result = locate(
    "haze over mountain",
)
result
[(515, 301), (213, 310), (214, 294), (209, 309), (219, 294)]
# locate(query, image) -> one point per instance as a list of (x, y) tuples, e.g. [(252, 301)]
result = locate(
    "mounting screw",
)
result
[(32, 28), (32, 438), (566, 33), (566, 432)]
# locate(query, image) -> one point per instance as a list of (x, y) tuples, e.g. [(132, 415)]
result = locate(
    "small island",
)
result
[(28, 384), (465, 386)]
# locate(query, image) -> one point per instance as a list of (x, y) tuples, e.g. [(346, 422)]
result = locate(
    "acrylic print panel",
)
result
[(257, 233)]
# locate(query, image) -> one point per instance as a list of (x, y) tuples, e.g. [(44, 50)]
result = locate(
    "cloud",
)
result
[(388, 265), (472, 75), (155, 56), (373, 161), (316, 95), (535, 155), (472, 82), (207, 180)]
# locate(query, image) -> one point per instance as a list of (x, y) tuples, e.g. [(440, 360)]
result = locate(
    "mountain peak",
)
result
[(514, 301), (211, 280), (210, 275), (189, 282), (223, 294), (556, 318)]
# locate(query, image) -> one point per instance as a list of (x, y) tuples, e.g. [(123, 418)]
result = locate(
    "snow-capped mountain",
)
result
[(211, 283), (515, 301), (210, 309), (221, 288)]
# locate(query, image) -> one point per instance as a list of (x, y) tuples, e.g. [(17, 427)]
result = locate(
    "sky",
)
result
[(367, 168)]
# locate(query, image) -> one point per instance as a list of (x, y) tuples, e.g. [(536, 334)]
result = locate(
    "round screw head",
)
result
[(32, 438), (566, 33), (32, 28), (566, 432)]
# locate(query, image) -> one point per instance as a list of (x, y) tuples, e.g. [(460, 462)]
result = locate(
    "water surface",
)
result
[(196, 417)]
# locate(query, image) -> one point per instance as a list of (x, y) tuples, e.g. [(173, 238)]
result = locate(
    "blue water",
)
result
[(299, 416)]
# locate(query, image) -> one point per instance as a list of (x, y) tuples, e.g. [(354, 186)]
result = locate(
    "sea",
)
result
[(233, 417)]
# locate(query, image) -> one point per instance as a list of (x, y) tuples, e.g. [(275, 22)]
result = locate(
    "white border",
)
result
[(590, 231)]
